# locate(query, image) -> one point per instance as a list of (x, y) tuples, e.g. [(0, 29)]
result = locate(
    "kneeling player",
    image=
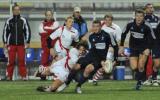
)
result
[(60, 69)]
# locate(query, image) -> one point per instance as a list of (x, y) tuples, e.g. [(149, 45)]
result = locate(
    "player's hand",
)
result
[(114, 63), (27, 45), (52, 53), (121, 50), (5, 46)]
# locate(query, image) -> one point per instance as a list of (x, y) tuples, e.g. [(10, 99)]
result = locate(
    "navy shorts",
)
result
[(136, 52), (156, 53), (90, 59)]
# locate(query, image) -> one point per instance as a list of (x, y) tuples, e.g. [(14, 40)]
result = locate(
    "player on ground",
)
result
[(60, 69), (140, 43), (153, 20)]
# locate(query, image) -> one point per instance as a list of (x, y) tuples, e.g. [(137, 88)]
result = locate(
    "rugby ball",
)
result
[(108, 66)]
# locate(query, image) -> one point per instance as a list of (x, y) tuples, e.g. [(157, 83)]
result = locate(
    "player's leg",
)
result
[(141, 70), (84, 76), (52, 88), (60, 76), (72, 75), (21, 62), (99, 73), (156, 65), (11, 61)]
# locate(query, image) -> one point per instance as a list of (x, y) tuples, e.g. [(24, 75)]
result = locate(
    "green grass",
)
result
[(106, 90)]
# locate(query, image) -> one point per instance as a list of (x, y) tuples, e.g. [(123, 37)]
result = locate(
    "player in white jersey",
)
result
[(109, 27), (63, 38), (115, 32), (60, 69)]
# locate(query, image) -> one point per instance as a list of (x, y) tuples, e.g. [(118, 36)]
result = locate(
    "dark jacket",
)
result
[(16, 31)]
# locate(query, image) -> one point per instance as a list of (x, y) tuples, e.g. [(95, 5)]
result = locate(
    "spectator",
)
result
[(79, 23), (16, 37), (47, 26)]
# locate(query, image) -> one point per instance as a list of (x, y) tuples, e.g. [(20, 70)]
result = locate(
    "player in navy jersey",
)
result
[(140, 43), (99, 41), (153, 20)]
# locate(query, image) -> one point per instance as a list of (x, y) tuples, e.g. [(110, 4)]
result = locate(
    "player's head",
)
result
[(108, 18), (149, 8), (96, 26), (48, 15), (82, 47), (16, 9), (139, 16), (77, 12), (69, 22)]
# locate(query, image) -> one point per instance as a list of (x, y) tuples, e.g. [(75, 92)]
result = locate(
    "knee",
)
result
[(156, 64), (88, 69), (134, 67), (77, 67)]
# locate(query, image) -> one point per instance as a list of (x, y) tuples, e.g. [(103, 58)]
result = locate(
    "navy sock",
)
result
[(70, 77), (154, 75), (140, 76), (82, 80)]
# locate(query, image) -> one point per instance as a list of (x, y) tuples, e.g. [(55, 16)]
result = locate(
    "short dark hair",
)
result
[(108, 15), (139, 11), (15, 5), (82, 44), (96, 22)]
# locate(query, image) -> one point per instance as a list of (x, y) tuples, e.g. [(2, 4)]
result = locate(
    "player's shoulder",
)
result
[(115, 25), (9, 19), (131, 21), (74, 51), (147, 24), (74, 30), (155, 16), (56, 23), (104, 33), (23, 18)]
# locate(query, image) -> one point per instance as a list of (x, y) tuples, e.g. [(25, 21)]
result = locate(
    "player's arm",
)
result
[(114, 45), (6, 32), (27, 32), (151, 36), (52, 40), (124, 34), (86, 36), (41, 29), (118, 34), (53, 37), (76, 39), (52, 27), (123, 37)]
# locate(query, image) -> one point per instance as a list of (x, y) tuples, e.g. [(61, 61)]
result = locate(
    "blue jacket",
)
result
[(81, 26)]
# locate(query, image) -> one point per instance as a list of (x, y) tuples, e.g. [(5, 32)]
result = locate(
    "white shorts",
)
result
[(60, 52), (59, 71)]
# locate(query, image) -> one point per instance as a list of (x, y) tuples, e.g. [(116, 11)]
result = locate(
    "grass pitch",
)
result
[(106, 90)]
